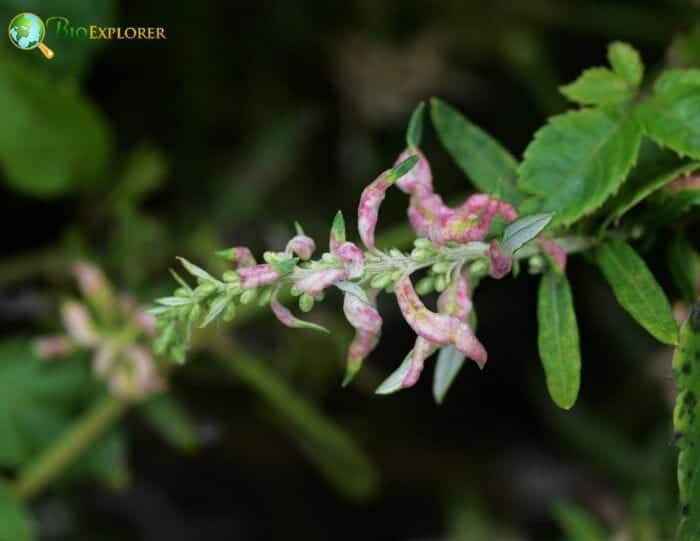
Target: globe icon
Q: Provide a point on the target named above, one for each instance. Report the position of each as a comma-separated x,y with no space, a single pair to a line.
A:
27,32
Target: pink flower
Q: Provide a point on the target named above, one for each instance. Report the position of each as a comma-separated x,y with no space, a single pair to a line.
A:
501,262
257,275
302,246
78,323
421,351
440,329
92,282
418,177
53,346
352,258
554,253
240,255
316,281
286,318
368,210
367,322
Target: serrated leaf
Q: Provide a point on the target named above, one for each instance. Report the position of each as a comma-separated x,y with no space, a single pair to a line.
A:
484,160
558,340
524,230
626,62
449,362
414,133
401,169
684,263
395,380
53,140
579,159
672,116
578,525
637,290
16,523
196,271
598,86
686,371
172,420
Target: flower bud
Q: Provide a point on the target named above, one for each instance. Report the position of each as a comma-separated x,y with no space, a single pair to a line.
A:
381,280
478,268
501,262
181,292
240,255
554,253
306,303
426,244
441,267
229,312
265,296
78,323
535,264
258,275
440,283
248,296
425,285
205,289
302,246
231,277
420,254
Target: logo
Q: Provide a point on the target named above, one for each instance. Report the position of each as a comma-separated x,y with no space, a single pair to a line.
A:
27,31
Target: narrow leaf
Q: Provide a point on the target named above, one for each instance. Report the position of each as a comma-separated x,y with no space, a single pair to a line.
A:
338,228
636,289
558,339
449,363
524,230
626,62
286,266
394,382
489,166
686,370
578,525
414,133
404,167
173,301
216,309
579,159
684,264
598,86
198,272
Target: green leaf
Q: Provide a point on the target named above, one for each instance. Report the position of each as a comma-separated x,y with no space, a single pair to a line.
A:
217,307
394,382
285,266
404,167
172,420
39,398
174,301
490,167
198,272
143,173
558,339
52,140
524,230
684,264
105,461
16,523
626,62
686,371
414,133
655,168
636,289
598,86
672,116
578,525
338,227
449,363
579,159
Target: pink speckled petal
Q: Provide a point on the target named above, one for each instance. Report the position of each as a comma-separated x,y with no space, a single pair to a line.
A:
418,177
316,281
368,209
257,275
501,262
302,246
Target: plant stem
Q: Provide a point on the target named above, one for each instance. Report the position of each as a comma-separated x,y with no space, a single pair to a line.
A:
68,447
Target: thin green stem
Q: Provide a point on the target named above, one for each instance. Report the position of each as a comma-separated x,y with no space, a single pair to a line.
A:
68,447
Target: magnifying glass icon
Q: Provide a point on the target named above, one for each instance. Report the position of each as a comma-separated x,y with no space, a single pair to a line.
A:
27,31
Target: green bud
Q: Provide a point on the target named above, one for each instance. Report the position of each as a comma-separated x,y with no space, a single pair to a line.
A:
270,257
183,312
182,292
248,296
195,313
231,277
295,291
440,283
441,267
233,288
229,312
328,258
479,268
398,273
306,302
159,346
425,285
320,297
423,243
204,290
265,296
535,264
420,254
381,280
395,253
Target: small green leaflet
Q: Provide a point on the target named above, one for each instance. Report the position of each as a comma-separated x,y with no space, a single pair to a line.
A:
198,272
672,116
414,133
686,371
626,62
598,86
395,379
15,521
338,227
684,264
558,340
637,290
449,363
404,167
217,307
579,159
524,230
578,525
489,166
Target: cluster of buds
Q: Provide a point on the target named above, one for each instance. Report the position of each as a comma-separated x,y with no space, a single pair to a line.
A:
115,329
452,249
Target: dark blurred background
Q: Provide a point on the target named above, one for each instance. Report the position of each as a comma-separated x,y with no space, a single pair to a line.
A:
252,115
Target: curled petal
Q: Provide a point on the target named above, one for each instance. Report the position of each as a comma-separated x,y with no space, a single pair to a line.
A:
362,345
419,177
455,299
103,359
368,210
302,246
501,262
352,257
316,281
257,275
285,316
555,253
240,255
361,315
78,323
425,208
53,346
420,352
466,342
